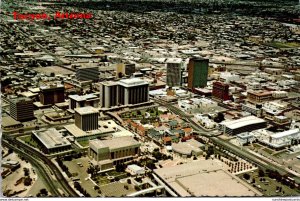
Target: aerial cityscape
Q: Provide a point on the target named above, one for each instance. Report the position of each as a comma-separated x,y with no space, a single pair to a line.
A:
150,98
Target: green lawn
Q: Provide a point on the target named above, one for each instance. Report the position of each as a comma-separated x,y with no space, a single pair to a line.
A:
257,146
283,45
281,154
120,175
141,115
269,151
28,140
269,188
84,143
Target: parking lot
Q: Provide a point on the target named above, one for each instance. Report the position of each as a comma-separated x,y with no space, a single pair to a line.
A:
268,186
74,167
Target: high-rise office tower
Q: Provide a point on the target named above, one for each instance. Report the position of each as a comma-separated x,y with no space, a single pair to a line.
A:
86,118
87,73
21,109
198,72
108,94
174,74
133,91
52,94
77,101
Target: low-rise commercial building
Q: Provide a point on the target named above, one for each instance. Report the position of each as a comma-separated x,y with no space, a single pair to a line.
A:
259,96
111,152
277,140
135,170
51,141
203,178
187,149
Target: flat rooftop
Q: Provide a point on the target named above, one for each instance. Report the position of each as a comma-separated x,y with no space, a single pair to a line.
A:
242,122
51,86
51,138
83,97
286,133
9,121
174,60
109,83
204,178
132,82
104,128
115,143
260,93
86,110
187,147
20,99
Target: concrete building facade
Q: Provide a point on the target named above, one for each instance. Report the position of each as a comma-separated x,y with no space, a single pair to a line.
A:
109,94
21,109
133,91
174,74
87,73
111,152
220,91
197,73
77,101
86,118
49,95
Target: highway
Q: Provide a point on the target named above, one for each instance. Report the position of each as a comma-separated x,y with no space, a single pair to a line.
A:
33,154
48,180
238,151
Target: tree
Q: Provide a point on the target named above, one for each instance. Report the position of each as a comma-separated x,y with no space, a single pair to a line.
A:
44,192
26,172
120,167
219,118
27,181
246,176
157,155
261,173
52,74
150,165
128,181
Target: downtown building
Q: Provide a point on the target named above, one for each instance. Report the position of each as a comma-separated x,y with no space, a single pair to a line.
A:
109,94
77,101
174,74
125,92
107,153
51,94
87,73
197,73
133,91
21,109
125,70
220,91
86,118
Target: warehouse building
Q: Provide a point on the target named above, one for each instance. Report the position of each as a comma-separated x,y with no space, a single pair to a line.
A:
51,141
